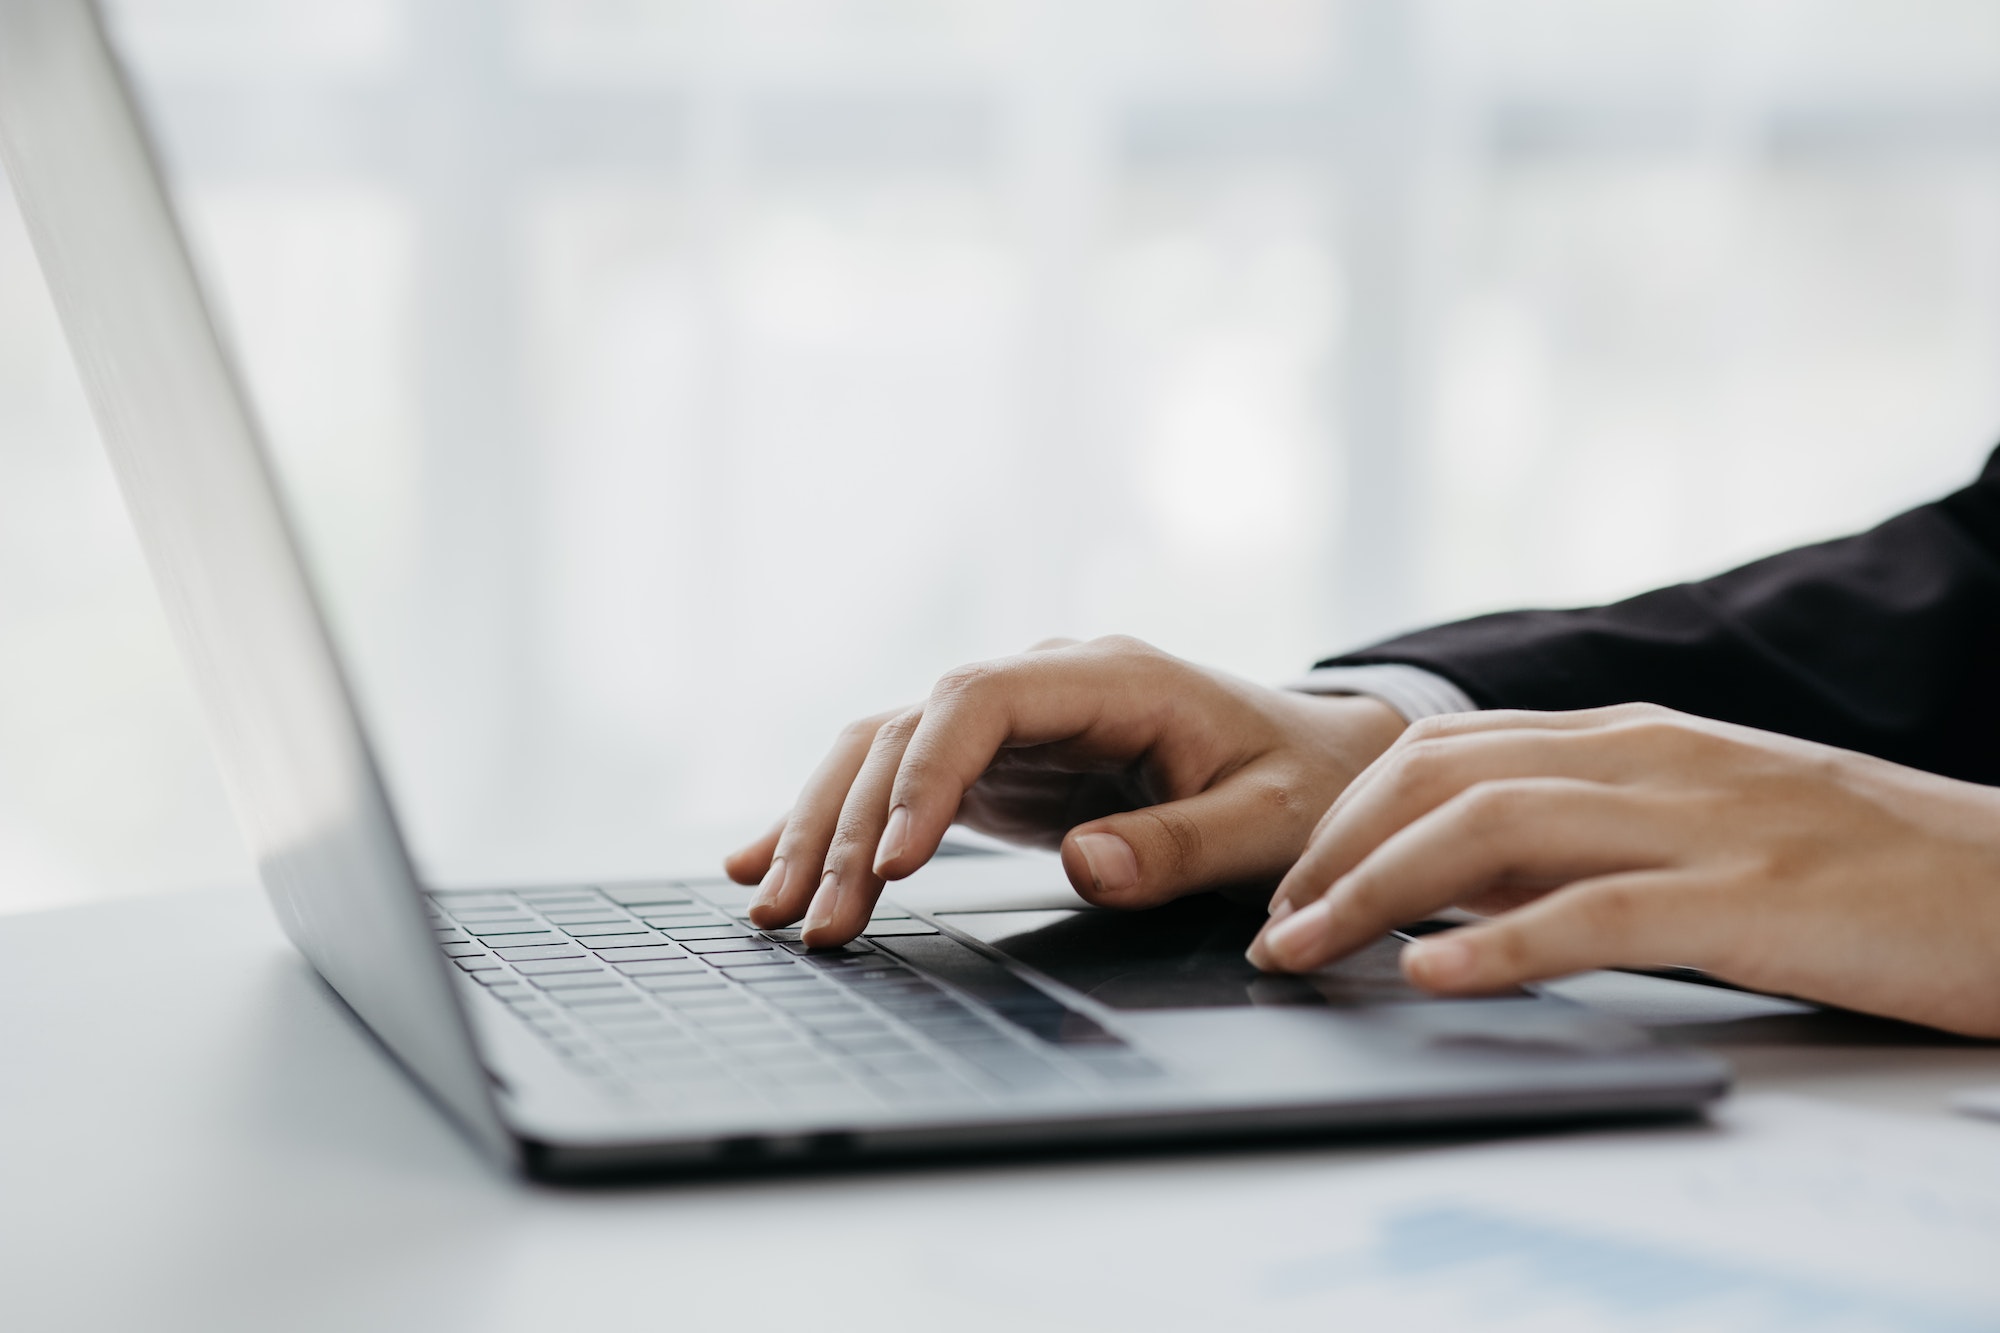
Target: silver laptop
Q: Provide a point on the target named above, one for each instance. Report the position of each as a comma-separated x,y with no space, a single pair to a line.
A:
582,1030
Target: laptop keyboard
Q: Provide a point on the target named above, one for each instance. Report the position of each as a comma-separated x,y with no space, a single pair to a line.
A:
658,990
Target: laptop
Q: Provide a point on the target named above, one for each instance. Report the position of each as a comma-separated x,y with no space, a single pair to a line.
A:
593,1030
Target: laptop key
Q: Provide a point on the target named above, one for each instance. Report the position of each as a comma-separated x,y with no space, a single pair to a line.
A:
958,1032
812,1078
480,963
618,925
901,1063
584,998
719,931
637,1017
554,966
693,994
743,969
902,1002
836,1021
888,928
1015,1068
865,1043
853,949
921,1088
763,969
612,937
616,953
764,1044
661,967
731,943
522,940
602,977
810,999
1121,1066
676,991
631,895
734,1016
790,992
526,953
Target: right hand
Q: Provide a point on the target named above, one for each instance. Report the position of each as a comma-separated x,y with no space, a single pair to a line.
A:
1154,777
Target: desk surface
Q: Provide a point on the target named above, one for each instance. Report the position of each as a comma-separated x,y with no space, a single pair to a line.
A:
198,1137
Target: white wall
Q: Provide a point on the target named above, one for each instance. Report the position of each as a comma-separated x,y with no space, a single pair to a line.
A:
662,384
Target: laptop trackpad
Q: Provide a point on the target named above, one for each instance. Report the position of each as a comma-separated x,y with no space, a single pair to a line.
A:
1185,955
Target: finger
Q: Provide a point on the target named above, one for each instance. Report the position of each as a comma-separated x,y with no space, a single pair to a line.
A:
1449,726
1038,698
1639,919
752,861
800,854
1414,778
1544,830
848,885
1224,835
1044,645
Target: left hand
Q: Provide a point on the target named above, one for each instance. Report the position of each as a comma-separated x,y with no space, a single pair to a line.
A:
1635,836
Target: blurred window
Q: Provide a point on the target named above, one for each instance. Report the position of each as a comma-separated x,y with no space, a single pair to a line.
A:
662,382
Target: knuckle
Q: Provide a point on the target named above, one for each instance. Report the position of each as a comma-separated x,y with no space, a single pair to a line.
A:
964,682
917,773
1663,733
1425,766
1125,645
1636,712
1180,840
1364,896
1427,729
854,826
861,732
900,727
1509,950
1611,912
1489,807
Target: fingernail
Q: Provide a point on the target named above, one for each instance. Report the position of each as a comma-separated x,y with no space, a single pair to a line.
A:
1442,962
1281,908
772,885
1113,868
1282,943
895,837
820,914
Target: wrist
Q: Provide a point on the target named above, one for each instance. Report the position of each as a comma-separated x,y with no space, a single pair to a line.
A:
1357,728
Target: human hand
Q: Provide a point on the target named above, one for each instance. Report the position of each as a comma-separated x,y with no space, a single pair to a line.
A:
1635,836
1153,776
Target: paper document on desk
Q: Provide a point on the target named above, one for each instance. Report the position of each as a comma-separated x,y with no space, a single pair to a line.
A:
1785,1215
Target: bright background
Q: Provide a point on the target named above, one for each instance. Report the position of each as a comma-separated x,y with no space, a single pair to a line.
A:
664,382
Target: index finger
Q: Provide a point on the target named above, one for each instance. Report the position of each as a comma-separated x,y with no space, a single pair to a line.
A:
1043,696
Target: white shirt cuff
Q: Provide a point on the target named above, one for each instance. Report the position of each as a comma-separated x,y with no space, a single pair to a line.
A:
1410,690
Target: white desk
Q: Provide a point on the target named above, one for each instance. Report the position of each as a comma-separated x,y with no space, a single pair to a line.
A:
198,1137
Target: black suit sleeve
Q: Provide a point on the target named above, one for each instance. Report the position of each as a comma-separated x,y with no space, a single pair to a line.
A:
1887,643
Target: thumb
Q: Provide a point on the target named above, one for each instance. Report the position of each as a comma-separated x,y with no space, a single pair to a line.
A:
1240,830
